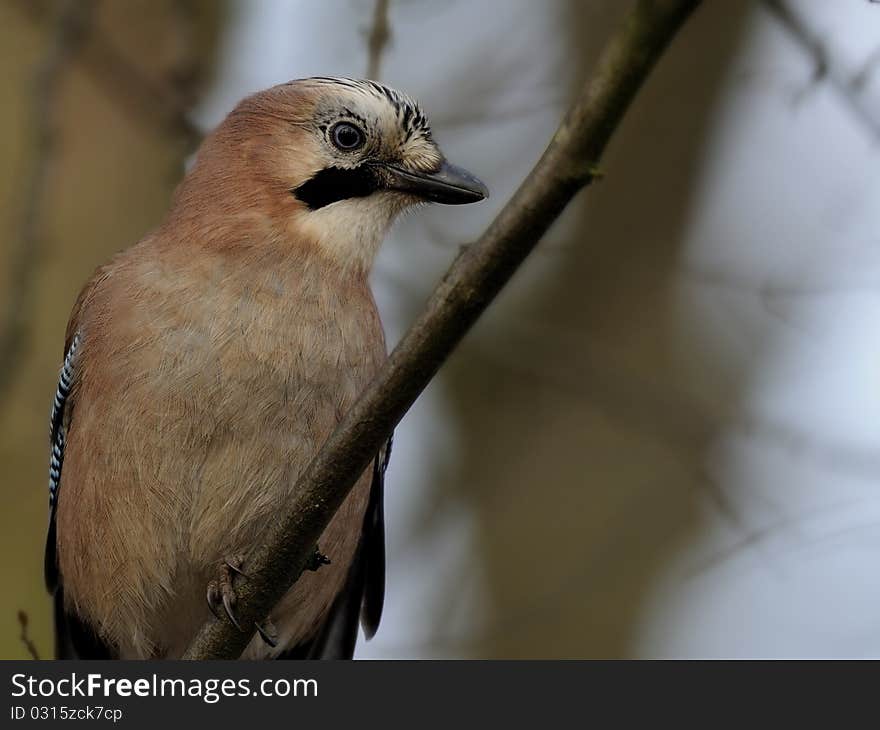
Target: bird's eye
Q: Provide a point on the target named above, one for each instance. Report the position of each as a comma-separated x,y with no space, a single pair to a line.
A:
347,137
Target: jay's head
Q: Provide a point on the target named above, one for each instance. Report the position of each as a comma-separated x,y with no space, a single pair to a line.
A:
331,161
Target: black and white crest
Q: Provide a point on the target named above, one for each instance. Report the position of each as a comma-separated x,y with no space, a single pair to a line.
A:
409,114
393,130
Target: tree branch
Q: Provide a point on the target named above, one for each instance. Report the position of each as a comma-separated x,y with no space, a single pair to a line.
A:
25,638
848,86
474,279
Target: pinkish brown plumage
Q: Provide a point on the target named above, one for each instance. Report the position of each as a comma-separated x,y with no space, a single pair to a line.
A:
214,358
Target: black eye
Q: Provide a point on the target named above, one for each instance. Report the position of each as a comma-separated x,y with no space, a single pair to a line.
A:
347,136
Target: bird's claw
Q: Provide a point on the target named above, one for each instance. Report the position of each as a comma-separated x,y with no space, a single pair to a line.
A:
268,632
213,597
317,560
234,564
222,590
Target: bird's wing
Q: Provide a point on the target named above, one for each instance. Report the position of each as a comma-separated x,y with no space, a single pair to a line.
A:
363,594
73,637
374,546
58,422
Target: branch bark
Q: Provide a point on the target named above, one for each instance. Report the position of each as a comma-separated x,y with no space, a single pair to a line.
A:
476,276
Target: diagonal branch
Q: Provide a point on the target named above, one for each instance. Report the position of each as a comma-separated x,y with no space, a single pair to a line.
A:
475,278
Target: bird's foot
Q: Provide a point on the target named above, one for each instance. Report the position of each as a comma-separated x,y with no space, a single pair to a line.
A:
221,591
317,560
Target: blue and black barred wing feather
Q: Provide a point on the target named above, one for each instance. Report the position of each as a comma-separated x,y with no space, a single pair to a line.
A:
58,421
74,638
363,594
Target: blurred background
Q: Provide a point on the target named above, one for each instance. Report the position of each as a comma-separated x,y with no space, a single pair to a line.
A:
664,438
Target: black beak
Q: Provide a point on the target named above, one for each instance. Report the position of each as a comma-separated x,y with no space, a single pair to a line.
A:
450,184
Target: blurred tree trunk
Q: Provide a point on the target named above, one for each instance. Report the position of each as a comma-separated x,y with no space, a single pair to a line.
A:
116,153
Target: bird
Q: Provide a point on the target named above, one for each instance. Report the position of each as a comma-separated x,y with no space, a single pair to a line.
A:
204,366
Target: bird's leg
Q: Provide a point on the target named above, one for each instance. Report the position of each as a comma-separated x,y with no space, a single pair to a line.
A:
222,589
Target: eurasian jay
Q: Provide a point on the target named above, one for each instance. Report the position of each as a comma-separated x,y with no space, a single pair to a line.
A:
204,367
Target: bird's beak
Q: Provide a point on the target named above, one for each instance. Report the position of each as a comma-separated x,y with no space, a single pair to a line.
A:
450,184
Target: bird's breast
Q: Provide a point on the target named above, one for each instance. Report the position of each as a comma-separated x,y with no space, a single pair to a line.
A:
205,390
269,367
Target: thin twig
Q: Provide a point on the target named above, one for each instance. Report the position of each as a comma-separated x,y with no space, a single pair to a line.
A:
847,85
185,71
475,278
25,637
377,39
70,28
